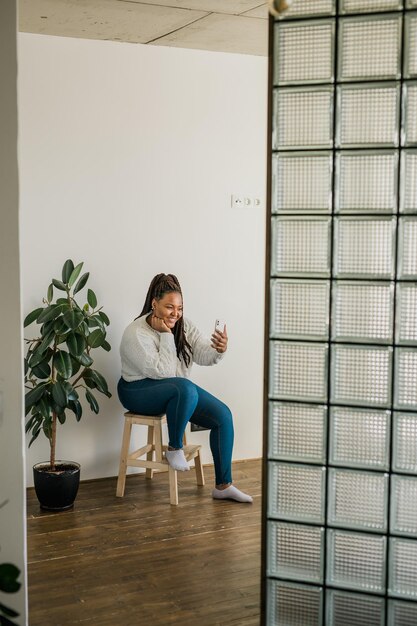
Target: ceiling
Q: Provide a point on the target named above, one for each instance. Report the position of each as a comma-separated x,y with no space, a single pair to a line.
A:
236,26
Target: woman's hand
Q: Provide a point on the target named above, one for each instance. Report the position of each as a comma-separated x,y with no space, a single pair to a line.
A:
158,324
219,340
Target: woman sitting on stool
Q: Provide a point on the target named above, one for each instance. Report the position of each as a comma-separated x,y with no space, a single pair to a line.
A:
158,349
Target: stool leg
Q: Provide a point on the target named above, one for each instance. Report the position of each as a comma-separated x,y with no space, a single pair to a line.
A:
158,442
121,481
173,486
151,439
199,470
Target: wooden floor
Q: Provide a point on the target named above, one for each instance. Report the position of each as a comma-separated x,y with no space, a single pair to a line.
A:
138,561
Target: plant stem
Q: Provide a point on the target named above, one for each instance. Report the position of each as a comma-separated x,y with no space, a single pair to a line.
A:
53,441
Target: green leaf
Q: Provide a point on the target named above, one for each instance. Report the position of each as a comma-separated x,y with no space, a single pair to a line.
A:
96,338
7,611
32,316
62,363
85,359
47,428
70,390
95,380
61,417
50,313
60,328
50,293
75,365
33,396
46,342
76,408
92,401
104,318
59,394
81,282
76,344
96,321
91,298
106,346
42,370
26,366
73,319
35,434
59,284
74,274
44,406
4,621
9,574
67,270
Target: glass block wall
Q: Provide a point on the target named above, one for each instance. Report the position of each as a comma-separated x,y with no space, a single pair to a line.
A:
340,455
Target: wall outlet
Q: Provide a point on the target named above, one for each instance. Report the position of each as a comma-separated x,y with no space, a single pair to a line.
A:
241,201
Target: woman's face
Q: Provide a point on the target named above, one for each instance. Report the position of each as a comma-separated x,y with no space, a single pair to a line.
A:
168,308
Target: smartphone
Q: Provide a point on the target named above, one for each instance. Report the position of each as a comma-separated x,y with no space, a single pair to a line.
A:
219,326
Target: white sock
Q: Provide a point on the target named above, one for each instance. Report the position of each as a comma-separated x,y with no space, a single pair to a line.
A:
177,460
231,493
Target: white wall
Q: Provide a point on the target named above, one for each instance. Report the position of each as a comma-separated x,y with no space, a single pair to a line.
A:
12,515
129,155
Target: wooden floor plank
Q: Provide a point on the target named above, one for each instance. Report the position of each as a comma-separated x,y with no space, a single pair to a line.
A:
137,561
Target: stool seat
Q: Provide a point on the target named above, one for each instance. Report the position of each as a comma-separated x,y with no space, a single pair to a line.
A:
153,448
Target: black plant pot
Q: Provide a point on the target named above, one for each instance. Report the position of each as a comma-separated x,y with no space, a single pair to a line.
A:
57,490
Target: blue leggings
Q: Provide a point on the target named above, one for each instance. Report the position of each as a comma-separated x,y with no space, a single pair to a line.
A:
182,401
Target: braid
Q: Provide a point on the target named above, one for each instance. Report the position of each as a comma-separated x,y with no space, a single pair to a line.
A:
160,285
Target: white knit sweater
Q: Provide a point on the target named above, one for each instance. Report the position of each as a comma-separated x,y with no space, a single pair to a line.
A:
147,353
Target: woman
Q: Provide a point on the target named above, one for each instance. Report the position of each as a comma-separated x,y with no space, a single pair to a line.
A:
158,349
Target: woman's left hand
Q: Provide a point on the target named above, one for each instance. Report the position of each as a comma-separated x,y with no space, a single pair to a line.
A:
219,340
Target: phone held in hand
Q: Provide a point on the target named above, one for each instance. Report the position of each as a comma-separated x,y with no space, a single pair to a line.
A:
219,326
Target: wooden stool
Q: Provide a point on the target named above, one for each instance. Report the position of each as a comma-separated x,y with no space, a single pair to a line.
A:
154,446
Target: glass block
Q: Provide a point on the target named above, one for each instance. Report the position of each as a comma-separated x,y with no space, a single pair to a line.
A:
303,118
407,262
359,438
305,8
410,60
363,311
368,115
304,52
363,6
402,613
369,48
403,567
406,322
361,375
298,371
408,196
295,551
296,492
299,309
301,246
352,609
297,432
302,182
366,182
410,114
358,500
289,604
364,247
356,560
405,396
403,505
411,4
405,443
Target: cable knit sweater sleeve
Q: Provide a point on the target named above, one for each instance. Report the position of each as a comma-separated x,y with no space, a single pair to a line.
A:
146,353
203,353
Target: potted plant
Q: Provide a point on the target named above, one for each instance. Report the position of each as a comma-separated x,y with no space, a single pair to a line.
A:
58,366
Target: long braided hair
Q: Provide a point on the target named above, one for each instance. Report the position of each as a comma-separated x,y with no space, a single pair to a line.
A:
160,285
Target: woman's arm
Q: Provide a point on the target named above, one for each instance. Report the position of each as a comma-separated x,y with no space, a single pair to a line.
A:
143,356
203,352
